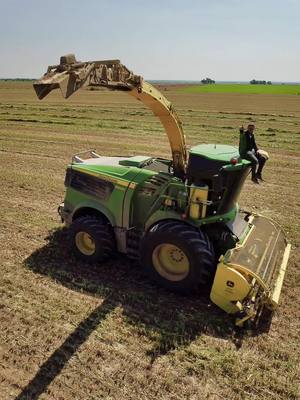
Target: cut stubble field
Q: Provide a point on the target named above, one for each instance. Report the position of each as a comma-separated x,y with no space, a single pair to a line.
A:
68,331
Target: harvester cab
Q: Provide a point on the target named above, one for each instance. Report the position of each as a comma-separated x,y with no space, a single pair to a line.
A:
178,217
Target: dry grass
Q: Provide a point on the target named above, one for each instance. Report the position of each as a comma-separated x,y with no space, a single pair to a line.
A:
72,332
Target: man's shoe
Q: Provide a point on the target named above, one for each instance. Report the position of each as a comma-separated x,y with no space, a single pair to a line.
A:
255,180
258,176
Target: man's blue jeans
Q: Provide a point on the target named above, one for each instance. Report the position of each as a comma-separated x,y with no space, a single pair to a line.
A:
257,162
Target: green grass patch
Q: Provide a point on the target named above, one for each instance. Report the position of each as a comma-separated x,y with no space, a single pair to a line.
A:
243,89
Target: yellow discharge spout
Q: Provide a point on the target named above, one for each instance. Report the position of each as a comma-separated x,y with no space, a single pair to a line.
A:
163,109
70,75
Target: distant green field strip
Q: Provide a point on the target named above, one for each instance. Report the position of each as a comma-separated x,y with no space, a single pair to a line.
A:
243,89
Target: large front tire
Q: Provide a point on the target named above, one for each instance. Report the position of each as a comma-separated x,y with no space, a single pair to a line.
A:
92,239
178,256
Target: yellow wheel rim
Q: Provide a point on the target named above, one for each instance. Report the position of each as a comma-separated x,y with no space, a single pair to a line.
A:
85,243
170,262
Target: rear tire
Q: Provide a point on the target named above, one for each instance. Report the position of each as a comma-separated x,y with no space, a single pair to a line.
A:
92,239
178,256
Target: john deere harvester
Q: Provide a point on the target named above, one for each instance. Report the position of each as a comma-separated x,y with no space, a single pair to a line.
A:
178,217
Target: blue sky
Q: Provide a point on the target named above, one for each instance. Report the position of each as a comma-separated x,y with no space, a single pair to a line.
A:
225,40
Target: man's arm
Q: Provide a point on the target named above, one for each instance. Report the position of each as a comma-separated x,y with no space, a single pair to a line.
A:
254,144
248,141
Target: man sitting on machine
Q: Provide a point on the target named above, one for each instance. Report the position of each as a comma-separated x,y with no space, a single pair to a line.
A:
249,151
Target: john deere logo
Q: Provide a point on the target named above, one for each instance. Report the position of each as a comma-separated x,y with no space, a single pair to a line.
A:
230,283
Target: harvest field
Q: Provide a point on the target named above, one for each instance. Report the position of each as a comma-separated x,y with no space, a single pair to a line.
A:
244,89
72,332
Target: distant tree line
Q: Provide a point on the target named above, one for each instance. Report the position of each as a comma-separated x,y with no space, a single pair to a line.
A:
207,81
255,82
17,79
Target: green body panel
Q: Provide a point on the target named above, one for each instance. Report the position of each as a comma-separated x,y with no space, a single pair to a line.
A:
75,201
131,206
240,165
216,152
136,161
118,205
148,198
161,215
222,153
137,197
116,174
167,214
135,200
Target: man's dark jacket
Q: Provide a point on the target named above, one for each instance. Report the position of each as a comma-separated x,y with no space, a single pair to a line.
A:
247,143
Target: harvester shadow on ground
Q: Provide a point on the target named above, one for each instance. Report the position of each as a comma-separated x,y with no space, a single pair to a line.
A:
176,320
